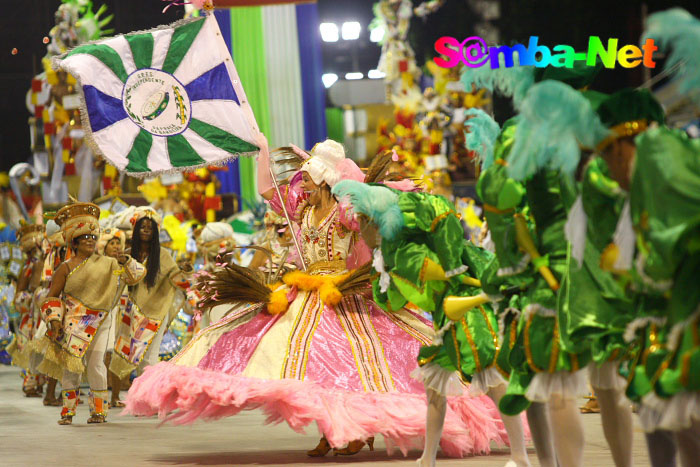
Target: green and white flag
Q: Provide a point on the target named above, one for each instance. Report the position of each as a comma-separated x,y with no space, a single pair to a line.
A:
168,99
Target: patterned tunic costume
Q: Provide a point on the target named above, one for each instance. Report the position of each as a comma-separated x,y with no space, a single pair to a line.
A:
90,291
142,313
86,309
346,367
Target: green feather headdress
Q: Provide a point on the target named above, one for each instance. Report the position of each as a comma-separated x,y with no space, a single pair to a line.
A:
679,31
379,203
482,135
555,121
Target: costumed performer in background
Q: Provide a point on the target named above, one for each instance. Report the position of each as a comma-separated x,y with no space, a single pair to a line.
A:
144,317
83,291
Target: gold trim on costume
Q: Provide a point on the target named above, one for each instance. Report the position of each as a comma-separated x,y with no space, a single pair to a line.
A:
459,356
408,329
354,317
437,220
299,342
526,339
423,361
554,355
470,339
495,210
685,368
496,344
630,128
336,265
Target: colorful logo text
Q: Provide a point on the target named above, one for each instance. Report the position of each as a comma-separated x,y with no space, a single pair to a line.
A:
474,53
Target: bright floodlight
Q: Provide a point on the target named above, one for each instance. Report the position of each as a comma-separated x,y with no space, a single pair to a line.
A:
355,75
329,32
351,30
375,74
328,79
377,34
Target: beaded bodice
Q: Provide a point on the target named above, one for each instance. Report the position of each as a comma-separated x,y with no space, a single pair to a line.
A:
330,241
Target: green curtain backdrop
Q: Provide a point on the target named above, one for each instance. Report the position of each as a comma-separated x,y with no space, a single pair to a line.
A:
248,43
335,124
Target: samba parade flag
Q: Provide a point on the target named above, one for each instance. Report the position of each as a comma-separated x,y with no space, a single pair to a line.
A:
168,99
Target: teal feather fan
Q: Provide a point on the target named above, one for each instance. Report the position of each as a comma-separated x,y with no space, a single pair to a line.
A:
510,82
482,134
679,31
379,203
555,121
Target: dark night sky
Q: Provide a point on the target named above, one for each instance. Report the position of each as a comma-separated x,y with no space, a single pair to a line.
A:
555,21
24,26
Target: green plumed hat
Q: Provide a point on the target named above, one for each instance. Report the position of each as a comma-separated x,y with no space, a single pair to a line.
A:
629,112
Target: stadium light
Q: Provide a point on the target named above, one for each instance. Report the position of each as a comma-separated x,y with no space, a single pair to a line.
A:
328,79
329,32
351,30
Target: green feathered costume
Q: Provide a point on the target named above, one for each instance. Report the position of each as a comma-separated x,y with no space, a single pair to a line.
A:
431,234
528,319
665,210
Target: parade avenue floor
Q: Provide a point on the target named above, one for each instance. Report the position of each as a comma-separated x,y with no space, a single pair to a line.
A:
29,436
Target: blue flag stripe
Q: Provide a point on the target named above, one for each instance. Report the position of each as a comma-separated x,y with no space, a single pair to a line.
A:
214,84
103,110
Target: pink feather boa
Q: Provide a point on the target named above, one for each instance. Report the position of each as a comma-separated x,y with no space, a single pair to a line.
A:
182,395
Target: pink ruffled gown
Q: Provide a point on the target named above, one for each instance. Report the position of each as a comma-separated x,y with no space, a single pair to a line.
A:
347,367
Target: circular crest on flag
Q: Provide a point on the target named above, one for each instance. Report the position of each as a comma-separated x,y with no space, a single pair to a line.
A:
157,102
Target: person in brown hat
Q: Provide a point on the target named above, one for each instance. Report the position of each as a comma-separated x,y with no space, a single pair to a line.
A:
30,237
84,289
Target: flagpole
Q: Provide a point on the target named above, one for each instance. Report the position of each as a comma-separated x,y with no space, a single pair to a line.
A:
245,106
286,215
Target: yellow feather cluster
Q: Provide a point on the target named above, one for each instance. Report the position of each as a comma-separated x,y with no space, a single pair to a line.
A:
278,299
327,286
608,257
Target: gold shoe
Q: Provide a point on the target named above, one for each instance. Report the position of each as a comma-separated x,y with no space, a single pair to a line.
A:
354,447
320,450
66,420
591,406
97,418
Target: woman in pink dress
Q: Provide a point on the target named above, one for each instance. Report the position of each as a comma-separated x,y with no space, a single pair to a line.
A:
311,354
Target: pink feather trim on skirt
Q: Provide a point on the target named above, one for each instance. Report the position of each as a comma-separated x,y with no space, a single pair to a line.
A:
182,395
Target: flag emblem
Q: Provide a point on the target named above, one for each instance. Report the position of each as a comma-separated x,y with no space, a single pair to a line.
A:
157,102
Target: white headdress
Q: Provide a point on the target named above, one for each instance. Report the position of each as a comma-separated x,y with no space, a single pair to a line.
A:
329,164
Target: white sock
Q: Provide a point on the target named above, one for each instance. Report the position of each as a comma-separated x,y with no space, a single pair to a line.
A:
514,428
538,420
567,431
616,416
437,406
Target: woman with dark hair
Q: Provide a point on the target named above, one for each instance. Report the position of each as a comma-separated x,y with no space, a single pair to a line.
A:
144,313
